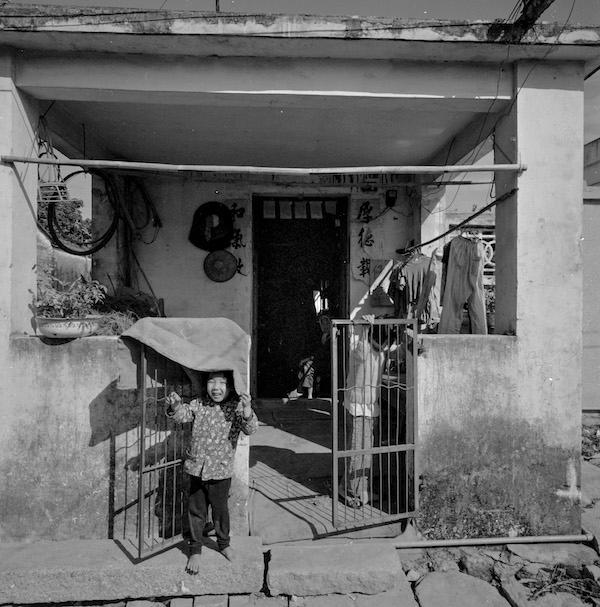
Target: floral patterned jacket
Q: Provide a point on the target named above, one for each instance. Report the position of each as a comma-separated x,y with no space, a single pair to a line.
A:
215,431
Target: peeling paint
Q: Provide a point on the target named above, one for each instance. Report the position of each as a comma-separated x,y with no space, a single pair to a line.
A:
273,25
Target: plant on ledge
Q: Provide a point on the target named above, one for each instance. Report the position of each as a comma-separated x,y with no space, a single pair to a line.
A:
67,309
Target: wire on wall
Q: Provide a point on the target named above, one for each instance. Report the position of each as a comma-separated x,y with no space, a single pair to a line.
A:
463,223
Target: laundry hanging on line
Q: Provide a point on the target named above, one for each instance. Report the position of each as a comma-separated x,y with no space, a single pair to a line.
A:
463,284
414,288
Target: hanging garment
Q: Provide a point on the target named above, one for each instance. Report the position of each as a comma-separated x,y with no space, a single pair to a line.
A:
406,284
464,284
428,307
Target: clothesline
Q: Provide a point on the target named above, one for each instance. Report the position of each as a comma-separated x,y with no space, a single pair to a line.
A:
461,224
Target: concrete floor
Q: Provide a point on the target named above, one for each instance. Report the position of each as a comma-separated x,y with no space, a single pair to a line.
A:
291,477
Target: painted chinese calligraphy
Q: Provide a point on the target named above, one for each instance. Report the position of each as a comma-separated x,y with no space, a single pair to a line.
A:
365,212
364,267
365,238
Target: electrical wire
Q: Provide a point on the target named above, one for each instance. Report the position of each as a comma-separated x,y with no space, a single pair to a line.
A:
478,149
463,223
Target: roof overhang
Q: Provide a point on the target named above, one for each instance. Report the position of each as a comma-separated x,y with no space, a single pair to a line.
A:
391,90
196,33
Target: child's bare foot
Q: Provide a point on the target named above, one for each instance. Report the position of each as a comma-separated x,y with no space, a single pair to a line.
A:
193,564
228,553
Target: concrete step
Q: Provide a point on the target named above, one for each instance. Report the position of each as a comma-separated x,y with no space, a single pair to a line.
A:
98,570
354,566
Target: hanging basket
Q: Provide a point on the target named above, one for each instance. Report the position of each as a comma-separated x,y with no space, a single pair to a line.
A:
53,191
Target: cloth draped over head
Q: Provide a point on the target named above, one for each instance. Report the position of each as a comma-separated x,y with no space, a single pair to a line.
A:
203,344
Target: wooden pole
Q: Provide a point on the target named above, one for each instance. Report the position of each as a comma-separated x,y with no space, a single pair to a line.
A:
201,168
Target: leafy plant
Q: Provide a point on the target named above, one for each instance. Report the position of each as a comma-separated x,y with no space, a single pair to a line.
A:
59,299
69,219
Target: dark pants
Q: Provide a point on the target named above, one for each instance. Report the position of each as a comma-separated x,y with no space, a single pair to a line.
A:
202,494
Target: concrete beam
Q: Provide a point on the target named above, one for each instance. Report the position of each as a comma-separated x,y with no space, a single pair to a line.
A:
185,80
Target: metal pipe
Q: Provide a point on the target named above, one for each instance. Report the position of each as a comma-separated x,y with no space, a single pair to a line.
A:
158,166
488,541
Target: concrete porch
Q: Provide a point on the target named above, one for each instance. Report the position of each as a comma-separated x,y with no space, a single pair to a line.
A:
291,477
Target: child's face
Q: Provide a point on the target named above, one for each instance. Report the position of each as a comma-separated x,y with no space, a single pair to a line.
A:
217,387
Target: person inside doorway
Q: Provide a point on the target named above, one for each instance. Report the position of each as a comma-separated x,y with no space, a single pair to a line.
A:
314,374
367,344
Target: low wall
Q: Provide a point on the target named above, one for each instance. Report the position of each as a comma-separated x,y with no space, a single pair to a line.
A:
70,437
488,468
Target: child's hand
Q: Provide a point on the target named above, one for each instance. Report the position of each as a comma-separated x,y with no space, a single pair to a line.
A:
370,318
246,405
172,400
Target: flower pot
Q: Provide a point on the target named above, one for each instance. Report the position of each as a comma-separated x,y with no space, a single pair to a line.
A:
67,328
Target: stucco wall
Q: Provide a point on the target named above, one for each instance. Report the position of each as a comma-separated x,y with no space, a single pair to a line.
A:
591,296
69,430
488,466
175,267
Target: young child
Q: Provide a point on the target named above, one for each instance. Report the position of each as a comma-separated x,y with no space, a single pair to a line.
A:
218,417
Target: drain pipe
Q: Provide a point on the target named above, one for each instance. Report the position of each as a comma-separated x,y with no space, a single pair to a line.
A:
489,541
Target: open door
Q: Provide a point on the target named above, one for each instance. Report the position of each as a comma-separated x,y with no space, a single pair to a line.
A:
300,271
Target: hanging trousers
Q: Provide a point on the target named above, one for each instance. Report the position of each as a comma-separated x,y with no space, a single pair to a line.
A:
464,284
202,494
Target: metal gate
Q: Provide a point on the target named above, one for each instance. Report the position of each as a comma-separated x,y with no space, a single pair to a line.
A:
158,508
374,417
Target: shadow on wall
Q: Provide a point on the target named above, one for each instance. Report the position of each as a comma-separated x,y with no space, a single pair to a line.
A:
54,487
66,476
496,478
64,480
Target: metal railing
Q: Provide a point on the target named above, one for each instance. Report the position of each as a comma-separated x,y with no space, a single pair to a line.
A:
374,414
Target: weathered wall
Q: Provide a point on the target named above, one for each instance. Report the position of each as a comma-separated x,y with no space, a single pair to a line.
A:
591,296
18,116
376,232
488,466
70,429
174,266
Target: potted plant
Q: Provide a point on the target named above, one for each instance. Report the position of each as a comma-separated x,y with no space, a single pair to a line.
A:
68,310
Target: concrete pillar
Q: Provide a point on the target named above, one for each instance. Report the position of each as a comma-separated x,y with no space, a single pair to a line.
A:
18,116
538,255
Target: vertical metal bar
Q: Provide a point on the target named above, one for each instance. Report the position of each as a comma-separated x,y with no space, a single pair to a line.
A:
396,379
346,345
334,422
153,489
415,413
142,461
164,474
398,480
126,488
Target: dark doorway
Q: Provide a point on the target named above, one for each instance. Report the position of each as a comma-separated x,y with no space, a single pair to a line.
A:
300,249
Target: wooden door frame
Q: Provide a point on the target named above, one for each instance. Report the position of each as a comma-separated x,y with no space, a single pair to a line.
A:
345,299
